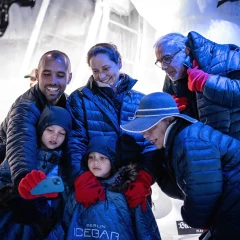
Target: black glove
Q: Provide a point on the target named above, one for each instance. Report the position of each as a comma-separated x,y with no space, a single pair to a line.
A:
7,192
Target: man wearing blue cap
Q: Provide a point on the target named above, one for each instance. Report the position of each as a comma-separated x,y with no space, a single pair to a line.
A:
204,162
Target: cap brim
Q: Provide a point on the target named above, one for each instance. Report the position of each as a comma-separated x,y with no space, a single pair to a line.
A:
27,76
142,124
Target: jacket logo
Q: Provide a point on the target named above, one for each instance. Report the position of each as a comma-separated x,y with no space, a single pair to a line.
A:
95,233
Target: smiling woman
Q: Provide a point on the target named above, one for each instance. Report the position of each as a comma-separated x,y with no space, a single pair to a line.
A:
105,62
102,105
98,109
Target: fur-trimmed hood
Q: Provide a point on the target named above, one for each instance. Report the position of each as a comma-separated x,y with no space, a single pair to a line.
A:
121,179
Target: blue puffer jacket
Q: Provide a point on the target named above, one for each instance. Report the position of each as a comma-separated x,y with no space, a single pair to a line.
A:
111,218
206,165
219,103
18,132
98,111
47,161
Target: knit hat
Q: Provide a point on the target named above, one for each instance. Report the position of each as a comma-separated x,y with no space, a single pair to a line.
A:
106,145
154,108
54,115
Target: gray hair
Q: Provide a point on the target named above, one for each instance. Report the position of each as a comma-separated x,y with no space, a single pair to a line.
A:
176,39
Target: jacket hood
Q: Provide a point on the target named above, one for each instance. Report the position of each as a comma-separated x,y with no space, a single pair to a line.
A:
106,145
212,56
53,115
126,84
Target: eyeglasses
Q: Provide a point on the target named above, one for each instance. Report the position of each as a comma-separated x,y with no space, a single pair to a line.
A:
166,59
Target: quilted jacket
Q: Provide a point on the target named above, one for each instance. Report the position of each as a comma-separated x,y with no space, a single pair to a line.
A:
47,162
111,218
219,103
206,166
99,111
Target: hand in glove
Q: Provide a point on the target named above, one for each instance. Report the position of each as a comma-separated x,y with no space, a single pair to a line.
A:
138,190
88,189
196,78
29,182
181,102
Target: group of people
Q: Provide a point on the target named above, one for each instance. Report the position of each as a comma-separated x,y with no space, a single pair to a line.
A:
110,143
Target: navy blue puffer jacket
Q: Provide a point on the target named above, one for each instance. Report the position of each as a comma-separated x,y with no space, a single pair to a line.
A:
219,103
206,165
47,162
100,111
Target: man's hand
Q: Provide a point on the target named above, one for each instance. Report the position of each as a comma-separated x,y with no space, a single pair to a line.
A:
196,79
181,102
88,189
29,182
138,190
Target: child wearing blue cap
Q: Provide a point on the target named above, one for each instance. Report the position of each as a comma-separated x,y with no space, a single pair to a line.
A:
38,212
110,217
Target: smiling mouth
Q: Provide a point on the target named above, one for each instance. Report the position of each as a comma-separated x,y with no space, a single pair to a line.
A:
104,81
52,89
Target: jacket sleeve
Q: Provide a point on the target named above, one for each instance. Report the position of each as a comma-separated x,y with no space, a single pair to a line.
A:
145,223
223,90
78,139
149,159
199,174
165,179
21,149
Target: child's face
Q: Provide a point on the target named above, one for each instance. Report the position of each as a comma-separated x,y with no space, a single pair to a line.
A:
53,136
99,165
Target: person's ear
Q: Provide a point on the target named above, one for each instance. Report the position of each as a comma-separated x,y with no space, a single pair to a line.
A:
69,78
187,51
119,63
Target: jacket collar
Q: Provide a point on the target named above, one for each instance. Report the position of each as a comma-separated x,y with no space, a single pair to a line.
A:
172,131
41,100
126,83
121,179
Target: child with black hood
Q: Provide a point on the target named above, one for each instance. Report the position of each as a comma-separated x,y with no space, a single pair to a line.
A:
36,214
110,217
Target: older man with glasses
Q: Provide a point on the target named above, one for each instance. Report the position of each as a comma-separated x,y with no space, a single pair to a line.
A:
203,78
